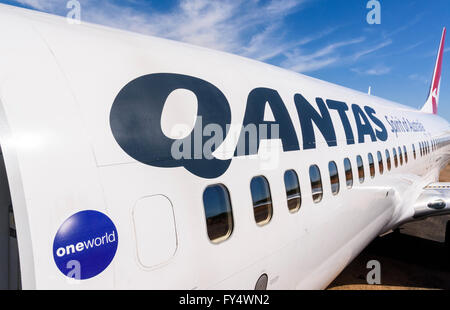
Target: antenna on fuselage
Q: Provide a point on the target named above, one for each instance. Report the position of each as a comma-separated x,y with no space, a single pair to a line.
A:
370,91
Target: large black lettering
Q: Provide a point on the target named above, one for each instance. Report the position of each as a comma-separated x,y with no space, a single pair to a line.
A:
254,116
363,124
342,108
381,132
135,120
308,115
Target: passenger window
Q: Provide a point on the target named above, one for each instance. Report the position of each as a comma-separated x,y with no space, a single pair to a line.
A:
414,151
262,200
371,166
316,183
219,217
334,177
405,151
388,160
394,153
380,162
400,155
293,194
360,164
348,173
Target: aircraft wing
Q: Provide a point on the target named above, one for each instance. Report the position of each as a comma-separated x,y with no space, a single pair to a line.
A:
434,200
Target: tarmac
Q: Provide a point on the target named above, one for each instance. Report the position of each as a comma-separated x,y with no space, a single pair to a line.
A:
413,257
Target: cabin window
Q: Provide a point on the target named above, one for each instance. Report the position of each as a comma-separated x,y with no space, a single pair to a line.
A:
388,160
293,194
316,183
261,284
334,177
414,151
360,164
400,155
394,153
371,165
380,162
405,151
262,200
219,216
348,173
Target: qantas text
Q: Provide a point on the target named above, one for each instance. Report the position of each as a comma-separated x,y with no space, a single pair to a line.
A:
135,120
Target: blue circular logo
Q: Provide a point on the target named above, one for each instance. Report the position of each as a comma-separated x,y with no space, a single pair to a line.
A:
85,245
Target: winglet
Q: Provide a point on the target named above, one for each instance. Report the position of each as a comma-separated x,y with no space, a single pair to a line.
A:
432,103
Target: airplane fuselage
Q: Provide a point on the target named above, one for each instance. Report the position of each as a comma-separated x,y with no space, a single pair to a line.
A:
85,134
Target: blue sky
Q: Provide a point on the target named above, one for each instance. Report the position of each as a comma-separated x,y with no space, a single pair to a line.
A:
326,39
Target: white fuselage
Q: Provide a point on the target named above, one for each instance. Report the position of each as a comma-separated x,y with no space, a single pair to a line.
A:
58,83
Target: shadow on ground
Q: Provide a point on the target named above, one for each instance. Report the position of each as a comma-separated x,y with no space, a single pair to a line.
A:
407,262
414,257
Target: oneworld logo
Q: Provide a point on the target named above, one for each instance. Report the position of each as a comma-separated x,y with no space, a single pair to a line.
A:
85,245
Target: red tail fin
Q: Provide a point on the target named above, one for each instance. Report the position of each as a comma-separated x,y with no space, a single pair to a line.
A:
432,103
